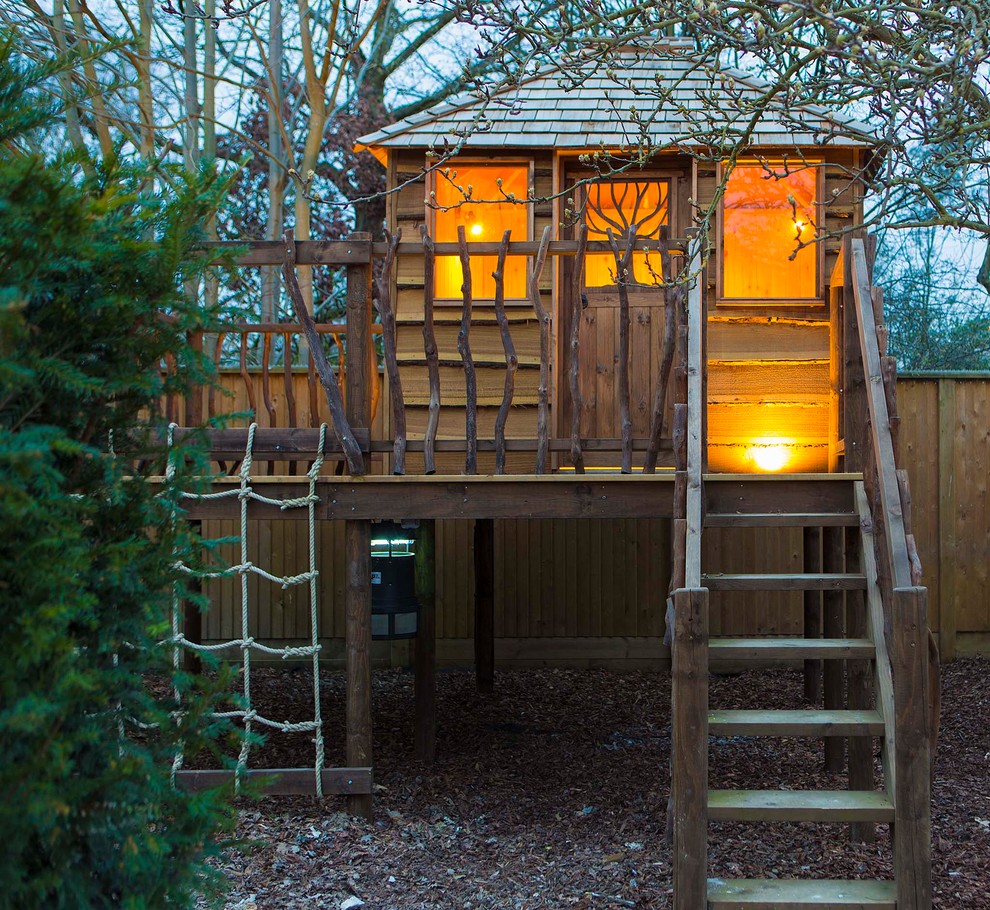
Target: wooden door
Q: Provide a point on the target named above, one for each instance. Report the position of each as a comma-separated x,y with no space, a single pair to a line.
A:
615,204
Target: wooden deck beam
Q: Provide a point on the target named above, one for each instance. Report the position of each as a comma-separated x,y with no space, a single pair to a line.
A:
391,498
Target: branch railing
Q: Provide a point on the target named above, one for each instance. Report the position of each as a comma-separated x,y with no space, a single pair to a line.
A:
361,253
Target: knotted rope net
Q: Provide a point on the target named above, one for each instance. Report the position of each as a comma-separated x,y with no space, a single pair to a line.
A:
245,493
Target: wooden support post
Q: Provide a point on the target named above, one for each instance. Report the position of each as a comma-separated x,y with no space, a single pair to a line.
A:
912,791
357,618
426,644
357,533
860,690
946,520
833,553
689,779
813,614
484,603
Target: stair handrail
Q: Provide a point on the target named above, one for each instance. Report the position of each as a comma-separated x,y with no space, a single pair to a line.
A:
888,496
903,632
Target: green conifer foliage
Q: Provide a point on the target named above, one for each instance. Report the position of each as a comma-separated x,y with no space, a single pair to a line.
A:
91,273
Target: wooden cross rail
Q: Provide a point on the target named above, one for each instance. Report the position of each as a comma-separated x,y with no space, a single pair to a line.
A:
282,328
348,252
300,443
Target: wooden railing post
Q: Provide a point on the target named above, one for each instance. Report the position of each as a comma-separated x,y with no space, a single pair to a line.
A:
696,441
912,789
357,534
689,778
359,341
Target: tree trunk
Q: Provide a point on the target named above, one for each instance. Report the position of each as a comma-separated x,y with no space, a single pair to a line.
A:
276,172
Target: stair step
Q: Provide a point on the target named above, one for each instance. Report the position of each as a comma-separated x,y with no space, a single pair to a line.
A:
795,723
791,494
781,519
800,806
790,648
830,581
792,894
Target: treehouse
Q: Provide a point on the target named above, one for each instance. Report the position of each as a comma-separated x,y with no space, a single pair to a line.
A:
599,339
537,158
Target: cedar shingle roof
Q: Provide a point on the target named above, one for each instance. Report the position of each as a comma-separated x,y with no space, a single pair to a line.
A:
592,104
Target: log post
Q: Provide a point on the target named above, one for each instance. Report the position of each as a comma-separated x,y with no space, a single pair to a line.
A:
464,349
357,534
833,608
484,603
912,792
860,690
689,779
426,644
813,614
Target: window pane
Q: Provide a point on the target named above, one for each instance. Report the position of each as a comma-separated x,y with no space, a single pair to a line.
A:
761,228
617,204
487,220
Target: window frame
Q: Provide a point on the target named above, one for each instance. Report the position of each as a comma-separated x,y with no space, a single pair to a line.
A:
475,160
819,299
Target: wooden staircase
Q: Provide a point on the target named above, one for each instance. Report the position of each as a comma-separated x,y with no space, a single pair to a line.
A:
868,724
866,571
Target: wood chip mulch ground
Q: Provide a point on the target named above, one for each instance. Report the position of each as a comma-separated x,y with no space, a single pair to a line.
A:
551,793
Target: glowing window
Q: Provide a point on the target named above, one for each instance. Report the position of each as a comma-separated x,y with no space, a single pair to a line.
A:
766,213
484,220
616,205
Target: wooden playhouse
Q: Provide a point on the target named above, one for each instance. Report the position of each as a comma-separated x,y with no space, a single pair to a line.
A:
566,339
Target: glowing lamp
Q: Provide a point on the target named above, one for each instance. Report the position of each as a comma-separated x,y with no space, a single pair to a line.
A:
769,456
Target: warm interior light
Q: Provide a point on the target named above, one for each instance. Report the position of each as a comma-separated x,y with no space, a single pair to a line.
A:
765,211
644,203
493,189
769,456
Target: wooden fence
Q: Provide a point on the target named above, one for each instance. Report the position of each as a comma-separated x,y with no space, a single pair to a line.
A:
945,446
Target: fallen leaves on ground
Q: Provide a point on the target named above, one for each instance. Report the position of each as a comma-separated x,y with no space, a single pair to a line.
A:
551,793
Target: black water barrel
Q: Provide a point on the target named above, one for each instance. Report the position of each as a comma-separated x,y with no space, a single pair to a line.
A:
394,607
